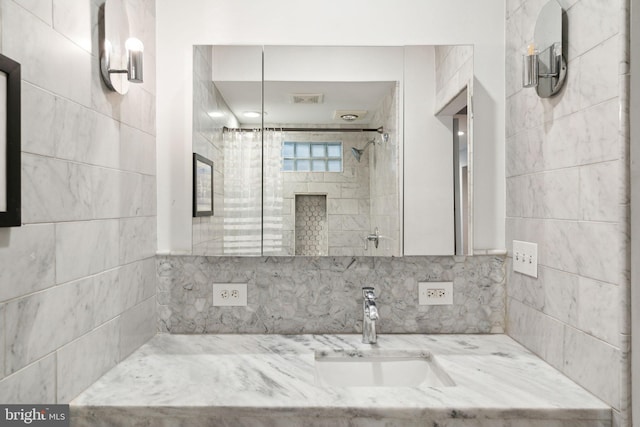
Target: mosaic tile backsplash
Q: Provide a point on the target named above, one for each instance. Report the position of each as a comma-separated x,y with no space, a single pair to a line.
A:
289,295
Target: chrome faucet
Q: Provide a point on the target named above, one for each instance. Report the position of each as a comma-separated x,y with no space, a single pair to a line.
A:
370,312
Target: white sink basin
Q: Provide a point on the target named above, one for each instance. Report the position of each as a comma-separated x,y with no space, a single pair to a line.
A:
379,370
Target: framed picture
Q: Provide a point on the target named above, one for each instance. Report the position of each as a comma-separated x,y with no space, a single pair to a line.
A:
202,186
10,164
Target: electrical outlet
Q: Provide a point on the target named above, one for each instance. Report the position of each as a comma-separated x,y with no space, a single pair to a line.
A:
525,258
435,293
229,294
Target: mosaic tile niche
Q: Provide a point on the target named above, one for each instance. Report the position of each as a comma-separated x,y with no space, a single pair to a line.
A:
290,295
311,225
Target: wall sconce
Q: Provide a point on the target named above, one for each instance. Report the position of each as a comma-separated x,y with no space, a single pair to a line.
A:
546,69
119,66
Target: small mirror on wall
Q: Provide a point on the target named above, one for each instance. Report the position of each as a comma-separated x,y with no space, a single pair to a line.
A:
9,143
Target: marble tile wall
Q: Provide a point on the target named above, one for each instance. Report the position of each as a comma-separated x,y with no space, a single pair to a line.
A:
568,191
385,182
348,195
454,71
288,295
78,279
208,231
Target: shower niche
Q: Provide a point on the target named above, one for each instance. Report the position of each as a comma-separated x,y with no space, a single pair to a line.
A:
309,143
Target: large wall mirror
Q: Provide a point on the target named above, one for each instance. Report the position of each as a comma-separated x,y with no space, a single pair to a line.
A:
307,145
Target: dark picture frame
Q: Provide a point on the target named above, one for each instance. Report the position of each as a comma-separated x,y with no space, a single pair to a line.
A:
202,186
10,145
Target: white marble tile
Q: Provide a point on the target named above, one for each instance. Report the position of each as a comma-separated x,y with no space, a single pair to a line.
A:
129,194
77,21
598,310
599,73
525,289
137,326
148,113
591,22
39,124
41,8
590,249
356,222
595,133
76,240
342,206
110,193
34,383
551,194
149,197
137,281
524,152
137,151
540,333
28,260
109,291
42,322
137,238
594,364
86,136
561,292
37,47
84,360
601,191
54,190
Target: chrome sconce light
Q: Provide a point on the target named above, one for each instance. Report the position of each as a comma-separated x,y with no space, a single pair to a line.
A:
546,69
121,56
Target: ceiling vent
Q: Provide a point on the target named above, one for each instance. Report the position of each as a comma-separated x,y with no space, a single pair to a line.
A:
306,98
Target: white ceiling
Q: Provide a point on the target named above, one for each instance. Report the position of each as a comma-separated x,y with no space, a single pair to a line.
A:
245,96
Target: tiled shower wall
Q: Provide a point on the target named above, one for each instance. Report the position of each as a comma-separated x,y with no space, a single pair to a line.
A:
290,295
568,191
348,211
384,164
77,280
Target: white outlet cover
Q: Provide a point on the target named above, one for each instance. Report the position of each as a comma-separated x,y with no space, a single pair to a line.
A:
229,294
525,258
447,287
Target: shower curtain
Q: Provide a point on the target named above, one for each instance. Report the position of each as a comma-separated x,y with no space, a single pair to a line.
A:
253,201
242,193
275,238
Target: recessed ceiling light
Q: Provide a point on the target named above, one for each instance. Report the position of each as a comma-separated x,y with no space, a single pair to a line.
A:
251,114
460,133
349,117
215,114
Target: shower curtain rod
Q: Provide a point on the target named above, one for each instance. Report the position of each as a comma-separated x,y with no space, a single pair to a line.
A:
272,129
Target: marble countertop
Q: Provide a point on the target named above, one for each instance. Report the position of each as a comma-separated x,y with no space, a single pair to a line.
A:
244,375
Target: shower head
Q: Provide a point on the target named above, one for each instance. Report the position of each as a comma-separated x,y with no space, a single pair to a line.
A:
357,152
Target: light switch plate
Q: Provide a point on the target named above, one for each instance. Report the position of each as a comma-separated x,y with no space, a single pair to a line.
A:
229,294
525,258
